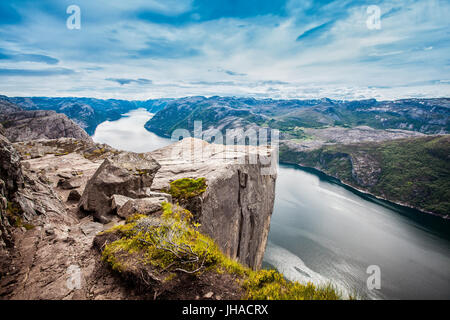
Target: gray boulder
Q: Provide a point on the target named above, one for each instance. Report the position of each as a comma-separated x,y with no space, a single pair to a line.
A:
146,206
128,174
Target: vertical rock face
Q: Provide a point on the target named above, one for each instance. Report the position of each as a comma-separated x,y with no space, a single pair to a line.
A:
236,208
128,174
10,167
11,179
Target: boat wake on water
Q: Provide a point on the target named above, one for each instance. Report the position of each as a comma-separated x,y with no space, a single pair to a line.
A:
294,269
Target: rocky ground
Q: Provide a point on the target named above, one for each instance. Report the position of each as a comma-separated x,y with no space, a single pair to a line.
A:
58,240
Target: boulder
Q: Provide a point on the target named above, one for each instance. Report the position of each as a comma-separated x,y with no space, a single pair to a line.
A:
64,175
91,228
117,201
40,124
128,174
142,206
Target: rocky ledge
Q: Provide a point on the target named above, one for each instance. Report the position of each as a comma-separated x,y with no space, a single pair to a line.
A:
57,195
237,205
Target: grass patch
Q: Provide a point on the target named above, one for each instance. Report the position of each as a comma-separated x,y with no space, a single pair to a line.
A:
187,188
172,244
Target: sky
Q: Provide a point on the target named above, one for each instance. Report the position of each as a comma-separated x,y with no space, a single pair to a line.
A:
145,49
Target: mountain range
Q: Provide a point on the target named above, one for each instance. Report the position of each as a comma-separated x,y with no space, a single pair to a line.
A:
397,150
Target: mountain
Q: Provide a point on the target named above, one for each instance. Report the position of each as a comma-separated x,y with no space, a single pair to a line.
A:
23,125
161,250
88,113
429,116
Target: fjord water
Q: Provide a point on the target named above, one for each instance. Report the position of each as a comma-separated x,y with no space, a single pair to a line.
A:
128,133
321,232
324,233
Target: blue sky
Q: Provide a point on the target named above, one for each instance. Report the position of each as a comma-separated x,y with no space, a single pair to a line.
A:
262,48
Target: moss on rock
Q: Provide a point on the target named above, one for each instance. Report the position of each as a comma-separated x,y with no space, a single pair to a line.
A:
170,246
187,188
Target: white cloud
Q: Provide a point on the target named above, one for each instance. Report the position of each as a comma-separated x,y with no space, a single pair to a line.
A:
348,61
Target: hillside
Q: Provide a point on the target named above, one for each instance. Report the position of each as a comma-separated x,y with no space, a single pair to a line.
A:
88,113
40,124
377,146
414,171
291,117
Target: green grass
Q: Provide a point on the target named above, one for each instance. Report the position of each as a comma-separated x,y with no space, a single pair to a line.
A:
176,231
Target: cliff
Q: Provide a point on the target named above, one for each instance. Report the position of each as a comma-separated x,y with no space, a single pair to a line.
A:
50,235
237,205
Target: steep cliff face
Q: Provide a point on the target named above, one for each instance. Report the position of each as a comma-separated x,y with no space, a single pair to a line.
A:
40,124
11,179
237,205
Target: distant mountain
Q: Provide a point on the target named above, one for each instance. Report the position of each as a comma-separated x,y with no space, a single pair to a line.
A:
40,124
429,116
88,113
25,125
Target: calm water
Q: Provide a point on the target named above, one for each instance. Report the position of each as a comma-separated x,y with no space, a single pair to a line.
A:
323,232
128,133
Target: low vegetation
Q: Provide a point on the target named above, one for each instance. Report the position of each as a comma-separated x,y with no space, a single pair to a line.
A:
14,213
186,188
172,245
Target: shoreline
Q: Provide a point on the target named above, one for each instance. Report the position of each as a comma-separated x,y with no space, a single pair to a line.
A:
366,194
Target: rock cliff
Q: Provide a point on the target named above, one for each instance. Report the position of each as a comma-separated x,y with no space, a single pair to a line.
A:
237,205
